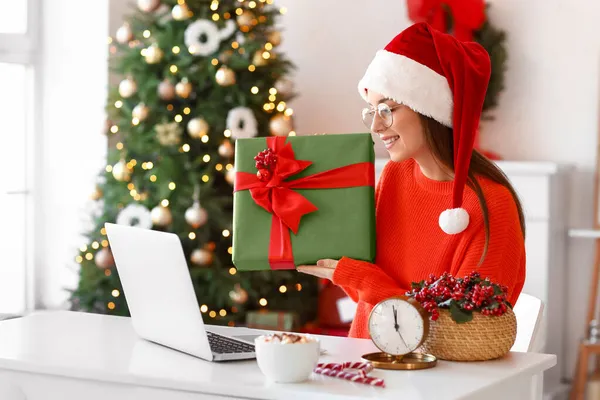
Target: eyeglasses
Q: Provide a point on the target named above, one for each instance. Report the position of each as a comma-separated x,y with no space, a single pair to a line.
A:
383,110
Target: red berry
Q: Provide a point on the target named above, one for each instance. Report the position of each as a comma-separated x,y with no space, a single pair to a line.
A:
263,174
458,295
266,159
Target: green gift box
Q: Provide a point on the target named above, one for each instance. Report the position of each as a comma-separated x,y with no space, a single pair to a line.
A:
272,320
311,197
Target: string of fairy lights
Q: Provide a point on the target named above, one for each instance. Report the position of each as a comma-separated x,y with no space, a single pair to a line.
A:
124,168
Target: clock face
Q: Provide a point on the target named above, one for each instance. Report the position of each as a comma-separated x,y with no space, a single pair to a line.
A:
397,326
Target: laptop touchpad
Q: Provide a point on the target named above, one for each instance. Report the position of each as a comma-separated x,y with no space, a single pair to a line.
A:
246,338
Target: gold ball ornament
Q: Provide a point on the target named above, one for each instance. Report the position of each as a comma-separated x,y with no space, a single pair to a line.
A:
274,37
121,171
284,86
280,125
225,56
196,216
166,90
258,59
161,216
124,34
97,194
197,127
226,149
225,76
245,19
183,89
181,12
104,258
148,5
238,295
140,112
230,177
201,257
127,87
153,54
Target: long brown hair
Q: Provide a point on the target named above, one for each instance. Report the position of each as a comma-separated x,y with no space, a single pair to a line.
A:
440,140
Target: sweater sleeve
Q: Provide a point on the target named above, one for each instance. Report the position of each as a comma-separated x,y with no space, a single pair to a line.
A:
353,275
504,262
366,281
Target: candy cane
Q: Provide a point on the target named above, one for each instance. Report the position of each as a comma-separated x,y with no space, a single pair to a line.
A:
337,370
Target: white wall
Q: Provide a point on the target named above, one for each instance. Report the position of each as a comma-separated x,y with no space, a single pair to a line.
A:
549,110
70,147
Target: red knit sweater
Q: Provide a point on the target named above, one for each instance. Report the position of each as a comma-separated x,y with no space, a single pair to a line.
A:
411,245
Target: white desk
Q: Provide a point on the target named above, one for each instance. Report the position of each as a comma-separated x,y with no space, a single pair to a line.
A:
74,356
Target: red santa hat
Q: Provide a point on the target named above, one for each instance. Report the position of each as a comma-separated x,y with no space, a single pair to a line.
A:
438,76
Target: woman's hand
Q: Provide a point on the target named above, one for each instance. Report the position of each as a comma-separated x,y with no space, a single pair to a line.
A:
323,269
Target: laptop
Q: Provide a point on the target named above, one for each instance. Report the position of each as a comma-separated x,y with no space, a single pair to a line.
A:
161,297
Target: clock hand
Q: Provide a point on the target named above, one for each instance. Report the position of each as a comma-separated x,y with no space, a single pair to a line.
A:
401,338
396,326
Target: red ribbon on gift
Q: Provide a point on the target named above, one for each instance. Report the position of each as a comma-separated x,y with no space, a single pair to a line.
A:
468,15
288,207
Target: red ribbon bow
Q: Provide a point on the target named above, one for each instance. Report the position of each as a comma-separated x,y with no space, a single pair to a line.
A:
468,15
288,207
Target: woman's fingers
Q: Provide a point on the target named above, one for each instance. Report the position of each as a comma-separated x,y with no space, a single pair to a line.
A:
320,272
327,263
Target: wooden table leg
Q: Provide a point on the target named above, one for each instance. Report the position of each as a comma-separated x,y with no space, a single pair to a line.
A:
580,378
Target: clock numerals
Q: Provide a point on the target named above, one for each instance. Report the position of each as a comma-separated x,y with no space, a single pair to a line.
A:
396,326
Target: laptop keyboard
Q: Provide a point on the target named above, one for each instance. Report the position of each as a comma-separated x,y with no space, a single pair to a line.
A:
221,344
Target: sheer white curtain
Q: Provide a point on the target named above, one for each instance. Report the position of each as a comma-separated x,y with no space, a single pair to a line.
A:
18,47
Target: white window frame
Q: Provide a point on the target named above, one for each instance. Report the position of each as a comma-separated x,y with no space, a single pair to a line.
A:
23,49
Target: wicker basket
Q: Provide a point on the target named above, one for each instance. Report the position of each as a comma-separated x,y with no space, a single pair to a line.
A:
482,338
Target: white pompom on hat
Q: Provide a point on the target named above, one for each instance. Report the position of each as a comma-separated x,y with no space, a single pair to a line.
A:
438,76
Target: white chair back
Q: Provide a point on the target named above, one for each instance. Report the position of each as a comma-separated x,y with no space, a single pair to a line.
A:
528,310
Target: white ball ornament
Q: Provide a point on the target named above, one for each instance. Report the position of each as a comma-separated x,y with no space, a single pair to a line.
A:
183,89
124,34
161,216
196,216
284,86
238,295
281,125
226,149
181,12
121,171
153,54
127,87
230,177
201,257
225,76
197,127
148,5
104,258
166,90
140,112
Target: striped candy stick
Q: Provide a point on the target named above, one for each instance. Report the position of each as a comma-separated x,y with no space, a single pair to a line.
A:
338,370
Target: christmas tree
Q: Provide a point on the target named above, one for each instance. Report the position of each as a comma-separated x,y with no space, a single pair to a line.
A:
197,74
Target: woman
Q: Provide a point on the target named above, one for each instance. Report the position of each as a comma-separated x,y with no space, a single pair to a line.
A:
425,93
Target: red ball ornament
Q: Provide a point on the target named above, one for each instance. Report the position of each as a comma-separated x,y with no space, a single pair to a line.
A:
263,174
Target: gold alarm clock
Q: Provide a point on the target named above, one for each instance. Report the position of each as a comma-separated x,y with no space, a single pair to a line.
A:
398,326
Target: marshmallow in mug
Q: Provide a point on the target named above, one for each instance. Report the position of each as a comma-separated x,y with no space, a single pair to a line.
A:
285,338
